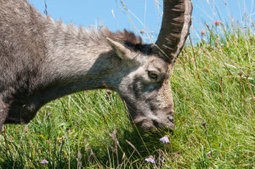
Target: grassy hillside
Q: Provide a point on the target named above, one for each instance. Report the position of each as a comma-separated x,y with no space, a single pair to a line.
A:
213,86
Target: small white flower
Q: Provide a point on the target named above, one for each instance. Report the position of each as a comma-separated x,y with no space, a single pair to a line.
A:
44,162
150,160
165,139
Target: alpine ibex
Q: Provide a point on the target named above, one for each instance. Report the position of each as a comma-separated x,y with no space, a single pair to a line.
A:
42,60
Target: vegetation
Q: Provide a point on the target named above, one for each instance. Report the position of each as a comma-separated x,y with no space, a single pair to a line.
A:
213,86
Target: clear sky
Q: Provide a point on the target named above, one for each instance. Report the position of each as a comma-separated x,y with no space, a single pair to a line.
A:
144,14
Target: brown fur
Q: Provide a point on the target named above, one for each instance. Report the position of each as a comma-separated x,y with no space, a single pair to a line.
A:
125,37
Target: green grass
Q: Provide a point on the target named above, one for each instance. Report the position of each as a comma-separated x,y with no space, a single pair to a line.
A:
213,89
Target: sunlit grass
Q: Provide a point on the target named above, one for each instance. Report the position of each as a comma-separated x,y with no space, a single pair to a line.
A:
213,88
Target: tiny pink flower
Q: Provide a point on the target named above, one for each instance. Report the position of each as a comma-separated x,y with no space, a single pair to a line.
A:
165,139
150,160
44,162
202,32
217,23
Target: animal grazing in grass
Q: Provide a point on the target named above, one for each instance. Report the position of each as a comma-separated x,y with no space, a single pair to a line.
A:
42,60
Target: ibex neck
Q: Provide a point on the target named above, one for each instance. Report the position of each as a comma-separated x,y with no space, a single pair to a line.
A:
77,59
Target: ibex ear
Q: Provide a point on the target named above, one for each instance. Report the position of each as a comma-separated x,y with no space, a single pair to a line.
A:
122,51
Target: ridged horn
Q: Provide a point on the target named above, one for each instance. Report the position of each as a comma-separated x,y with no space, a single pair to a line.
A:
174,28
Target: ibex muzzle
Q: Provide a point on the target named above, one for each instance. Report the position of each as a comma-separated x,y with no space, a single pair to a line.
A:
42,60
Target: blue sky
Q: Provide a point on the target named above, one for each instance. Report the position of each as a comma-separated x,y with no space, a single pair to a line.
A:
144,14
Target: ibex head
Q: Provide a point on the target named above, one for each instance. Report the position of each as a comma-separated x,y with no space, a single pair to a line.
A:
144,80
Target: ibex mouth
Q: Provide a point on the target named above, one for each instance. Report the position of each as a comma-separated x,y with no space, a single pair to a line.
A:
147,124
150,125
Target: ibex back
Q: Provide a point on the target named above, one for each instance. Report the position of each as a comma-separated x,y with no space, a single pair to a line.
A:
41,60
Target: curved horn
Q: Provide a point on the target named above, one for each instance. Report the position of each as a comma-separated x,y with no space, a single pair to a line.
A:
175,27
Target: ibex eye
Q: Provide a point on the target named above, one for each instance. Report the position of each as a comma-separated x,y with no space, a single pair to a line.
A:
153,75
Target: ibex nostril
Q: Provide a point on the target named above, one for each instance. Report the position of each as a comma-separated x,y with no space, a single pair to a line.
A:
155,123
171,119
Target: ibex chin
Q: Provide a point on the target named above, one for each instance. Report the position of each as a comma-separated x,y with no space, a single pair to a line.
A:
42,60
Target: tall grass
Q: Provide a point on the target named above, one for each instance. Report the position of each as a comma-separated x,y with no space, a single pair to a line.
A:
213,88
